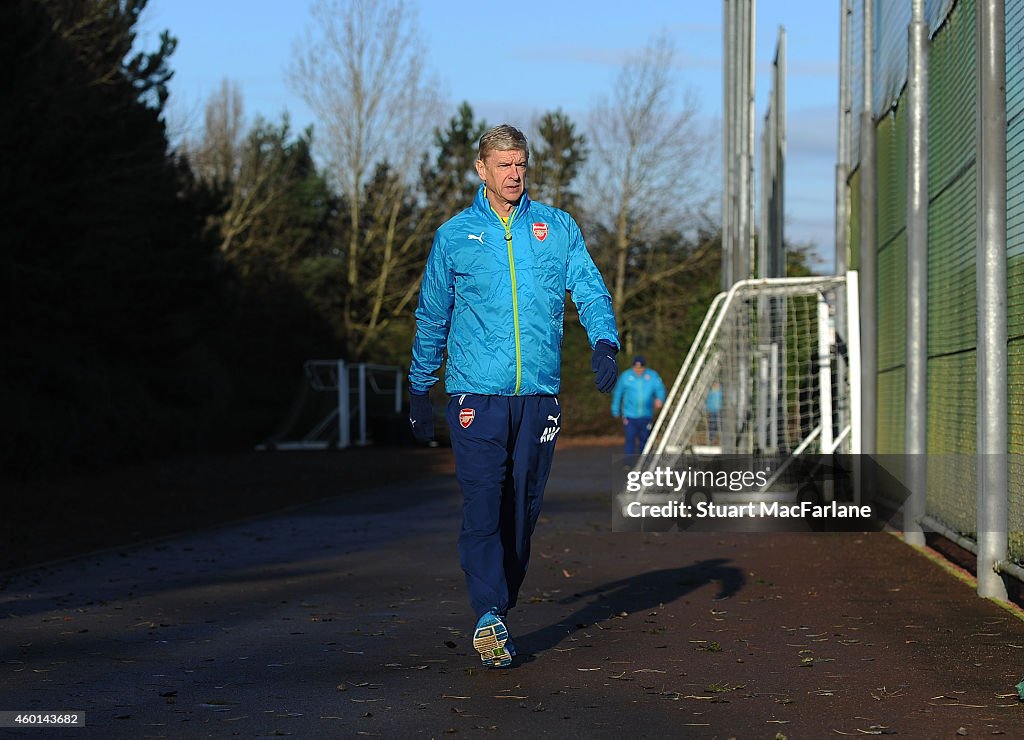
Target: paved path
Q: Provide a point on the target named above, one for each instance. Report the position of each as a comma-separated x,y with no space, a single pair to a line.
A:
349,619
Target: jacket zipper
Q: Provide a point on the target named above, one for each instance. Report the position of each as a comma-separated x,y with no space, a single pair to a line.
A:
515,300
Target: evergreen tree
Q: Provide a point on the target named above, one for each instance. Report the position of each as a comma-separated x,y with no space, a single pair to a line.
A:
556,161
276,227
450,182
101,34
109,288
279,207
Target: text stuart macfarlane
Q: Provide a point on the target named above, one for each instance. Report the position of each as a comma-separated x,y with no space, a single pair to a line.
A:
776,509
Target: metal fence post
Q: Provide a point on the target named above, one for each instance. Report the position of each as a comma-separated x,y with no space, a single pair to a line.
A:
868,254
992,504
728,132
843,159
842,223
362,403
746,261
344,436
916,401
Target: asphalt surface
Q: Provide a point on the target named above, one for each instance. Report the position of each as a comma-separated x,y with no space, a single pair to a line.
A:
349,618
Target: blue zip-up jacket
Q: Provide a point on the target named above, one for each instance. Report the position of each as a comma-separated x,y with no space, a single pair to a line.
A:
634,394
494,296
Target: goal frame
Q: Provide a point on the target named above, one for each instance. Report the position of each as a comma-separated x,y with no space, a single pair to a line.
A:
684,402
336,376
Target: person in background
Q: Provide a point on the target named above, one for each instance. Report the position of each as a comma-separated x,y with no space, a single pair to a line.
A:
638,393
493,296
713,406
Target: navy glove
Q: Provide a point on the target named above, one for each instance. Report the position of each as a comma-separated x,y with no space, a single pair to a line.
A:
421,416
606,372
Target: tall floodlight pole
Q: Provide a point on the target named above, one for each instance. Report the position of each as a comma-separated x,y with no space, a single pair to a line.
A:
745,253
764,220
728,133
778,237
775,237
992,504
868,252
916,401
737,140
737,187
842,223
771,261
745,163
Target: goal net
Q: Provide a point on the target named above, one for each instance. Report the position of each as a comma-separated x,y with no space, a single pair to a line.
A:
336,404
770,374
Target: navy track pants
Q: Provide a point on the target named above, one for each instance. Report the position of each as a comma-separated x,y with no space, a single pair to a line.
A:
503,448
637,432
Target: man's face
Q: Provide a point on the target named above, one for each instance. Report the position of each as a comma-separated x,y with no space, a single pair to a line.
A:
504,174
638,368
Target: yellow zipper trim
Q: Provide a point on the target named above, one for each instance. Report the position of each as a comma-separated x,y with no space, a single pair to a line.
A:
515,297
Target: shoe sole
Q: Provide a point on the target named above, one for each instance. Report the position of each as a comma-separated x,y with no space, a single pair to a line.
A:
490,641
489,660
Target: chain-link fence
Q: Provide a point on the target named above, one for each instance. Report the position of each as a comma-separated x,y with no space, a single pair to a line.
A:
963,365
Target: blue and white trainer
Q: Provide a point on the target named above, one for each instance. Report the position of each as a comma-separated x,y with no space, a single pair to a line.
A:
490,639
510,648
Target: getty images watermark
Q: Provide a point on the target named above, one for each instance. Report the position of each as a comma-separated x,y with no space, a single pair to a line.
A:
741,493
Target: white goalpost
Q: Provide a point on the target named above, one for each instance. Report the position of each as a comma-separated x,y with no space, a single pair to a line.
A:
789,376
335,397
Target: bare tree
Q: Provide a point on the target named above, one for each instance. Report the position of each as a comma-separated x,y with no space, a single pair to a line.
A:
262,183
222,160
648,155
260,177
216,158
360,70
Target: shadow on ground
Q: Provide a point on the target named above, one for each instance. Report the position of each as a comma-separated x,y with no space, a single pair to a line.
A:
635,594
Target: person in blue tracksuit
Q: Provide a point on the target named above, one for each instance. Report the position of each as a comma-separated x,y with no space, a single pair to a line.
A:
713,406
638,394
492,297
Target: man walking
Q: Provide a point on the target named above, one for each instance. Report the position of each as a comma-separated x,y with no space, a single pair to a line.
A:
493,296
638,394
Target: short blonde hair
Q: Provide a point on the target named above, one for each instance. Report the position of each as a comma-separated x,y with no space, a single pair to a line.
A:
503,138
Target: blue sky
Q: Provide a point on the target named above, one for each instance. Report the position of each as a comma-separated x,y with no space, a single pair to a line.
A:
514,61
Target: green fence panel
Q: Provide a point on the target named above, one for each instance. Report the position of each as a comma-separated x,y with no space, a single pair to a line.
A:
952,439
892,394
891,184
1015,469
952,99
1015,271
892,305
952,269
891,173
